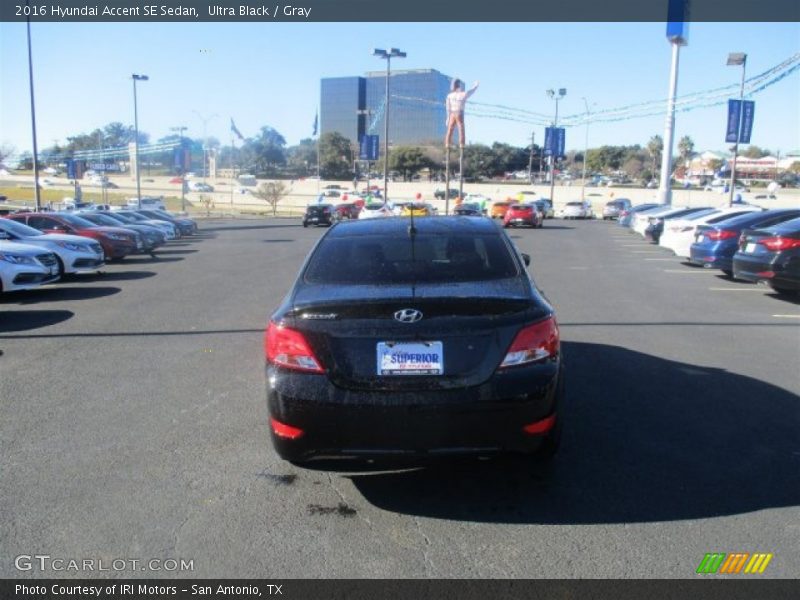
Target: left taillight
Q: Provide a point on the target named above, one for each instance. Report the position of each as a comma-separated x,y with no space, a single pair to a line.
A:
533,343
289,348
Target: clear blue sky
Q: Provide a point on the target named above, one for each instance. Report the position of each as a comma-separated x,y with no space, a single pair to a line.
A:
269,73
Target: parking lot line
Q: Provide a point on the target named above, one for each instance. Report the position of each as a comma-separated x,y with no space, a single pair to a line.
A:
646,251
664,258
740,289
787,316
700,272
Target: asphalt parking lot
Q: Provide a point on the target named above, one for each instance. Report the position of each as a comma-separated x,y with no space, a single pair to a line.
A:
134,426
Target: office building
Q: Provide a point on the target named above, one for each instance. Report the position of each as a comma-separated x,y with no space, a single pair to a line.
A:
417,116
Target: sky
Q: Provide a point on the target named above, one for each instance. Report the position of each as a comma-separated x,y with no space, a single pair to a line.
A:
269,74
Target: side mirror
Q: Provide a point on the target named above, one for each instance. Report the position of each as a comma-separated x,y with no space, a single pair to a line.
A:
526,258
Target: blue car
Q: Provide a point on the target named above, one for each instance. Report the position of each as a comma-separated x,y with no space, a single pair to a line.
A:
626,216
715,245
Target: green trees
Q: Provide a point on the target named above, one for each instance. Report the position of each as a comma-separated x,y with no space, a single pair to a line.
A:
686,149
336,156
409,160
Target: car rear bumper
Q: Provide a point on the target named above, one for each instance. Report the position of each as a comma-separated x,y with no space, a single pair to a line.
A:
778,271
484,419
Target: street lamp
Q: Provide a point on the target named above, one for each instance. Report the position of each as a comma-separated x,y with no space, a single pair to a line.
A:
734,60
585,150
554,96
392,53
205,121
180,129
136,78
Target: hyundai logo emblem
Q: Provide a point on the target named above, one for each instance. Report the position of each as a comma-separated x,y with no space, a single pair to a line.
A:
408,315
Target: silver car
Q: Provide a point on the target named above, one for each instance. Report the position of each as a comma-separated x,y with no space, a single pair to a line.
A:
74,253
25,267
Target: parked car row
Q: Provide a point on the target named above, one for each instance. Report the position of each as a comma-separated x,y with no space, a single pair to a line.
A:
746,242
40,247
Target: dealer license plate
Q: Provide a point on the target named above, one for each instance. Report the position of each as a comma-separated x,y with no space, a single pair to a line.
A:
410,358
750,248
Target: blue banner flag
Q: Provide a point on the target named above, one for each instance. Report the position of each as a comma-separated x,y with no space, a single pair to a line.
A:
734,118
316,122
748,111
740,121
369,147
554,141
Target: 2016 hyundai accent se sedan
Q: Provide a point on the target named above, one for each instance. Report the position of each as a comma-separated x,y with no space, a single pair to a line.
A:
418,338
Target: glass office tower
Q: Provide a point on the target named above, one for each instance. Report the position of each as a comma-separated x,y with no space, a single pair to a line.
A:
341,98
417,106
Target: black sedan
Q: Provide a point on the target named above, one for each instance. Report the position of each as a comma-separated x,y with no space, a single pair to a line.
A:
771,255
432,341
319,214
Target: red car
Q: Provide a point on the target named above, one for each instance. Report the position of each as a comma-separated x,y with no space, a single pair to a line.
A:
522,214
348,210
117,242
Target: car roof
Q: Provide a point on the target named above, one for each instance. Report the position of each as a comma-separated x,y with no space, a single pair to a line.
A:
398,226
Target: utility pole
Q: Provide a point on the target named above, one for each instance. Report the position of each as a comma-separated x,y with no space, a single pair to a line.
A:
392,53
555,96
205,121
530,160
136,78
585,151
735,59
36,192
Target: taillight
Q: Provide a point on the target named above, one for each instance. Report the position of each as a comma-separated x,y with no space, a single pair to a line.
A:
533,343
288,348
778,244
722,234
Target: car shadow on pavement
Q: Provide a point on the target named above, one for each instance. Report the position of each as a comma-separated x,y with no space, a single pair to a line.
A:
645,439
25,320
118,276
62,294
145,260
786,298
168,252
261,225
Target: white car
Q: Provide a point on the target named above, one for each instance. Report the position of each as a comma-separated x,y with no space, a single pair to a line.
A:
375,210
146,203
642,220
25,267
74,253
577,210
678,235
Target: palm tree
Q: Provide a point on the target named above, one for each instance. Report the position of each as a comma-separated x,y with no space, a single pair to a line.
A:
655,147
686,149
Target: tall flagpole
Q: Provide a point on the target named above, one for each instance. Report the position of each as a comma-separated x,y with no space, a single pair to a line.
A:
233,148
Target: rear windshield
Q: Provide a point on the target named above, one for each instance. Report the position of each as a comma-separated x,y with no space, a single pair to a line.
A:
429,259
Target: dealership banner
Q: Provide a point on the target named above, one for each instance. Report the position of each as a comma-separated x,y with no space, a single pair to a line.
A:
740,121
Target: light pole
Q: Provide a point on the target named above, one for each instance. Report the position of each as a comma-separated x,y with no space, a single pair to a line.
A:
555,96
180,129
392,53
136,78
205,121
367,113
585,150
736,59
36,192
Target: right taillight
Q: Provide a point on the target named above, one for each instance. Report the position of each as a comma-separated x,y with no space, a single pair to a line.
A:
778,244
288,348
533,343
722,234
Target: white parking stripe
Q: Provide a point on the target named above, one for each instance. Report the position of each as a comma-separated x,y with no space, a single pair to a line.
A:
690,271
747,289
787,316
666,258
